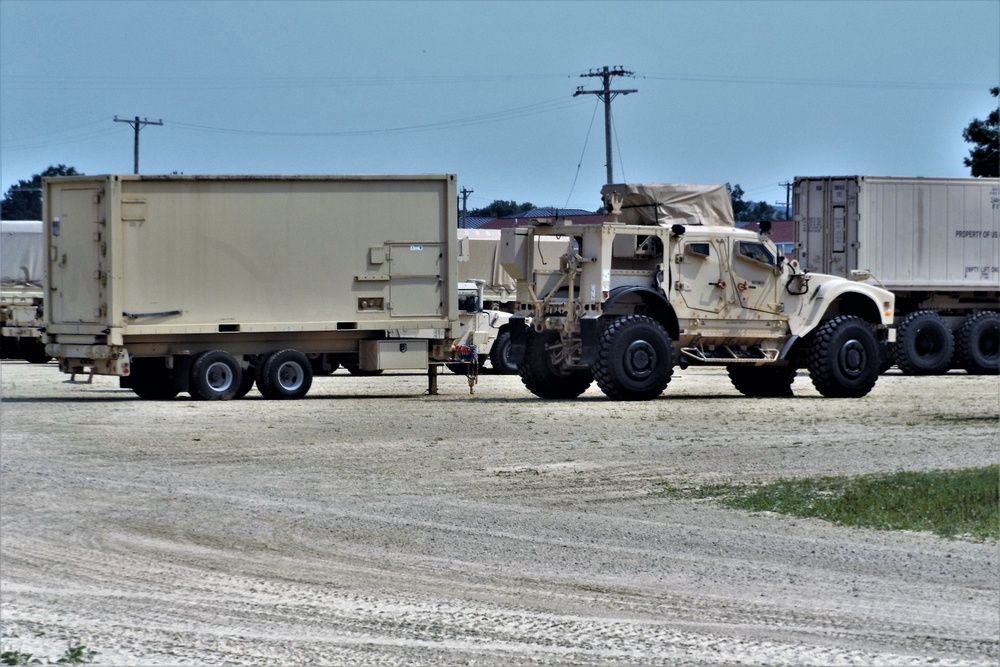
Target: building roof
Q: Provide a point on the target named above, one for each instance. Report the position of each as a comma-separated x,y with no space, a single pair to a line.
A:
472,222
782,231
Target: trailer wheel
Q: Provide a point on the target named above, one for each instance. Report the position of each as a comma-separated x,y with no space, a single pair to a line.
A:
33,351
977,343
924,344
322,365
215,376
844,358
545,378
500,355
762,381
635,360
285,375
354,369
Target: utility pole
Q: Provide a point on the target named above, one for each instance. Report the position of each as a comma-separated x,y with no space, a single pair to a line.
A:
788,194
137,125
465,199
606,94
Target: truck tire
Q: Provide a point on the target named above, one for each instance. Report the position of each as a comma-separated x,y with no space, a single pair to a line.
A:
321,366
354,369
500,355
247,383
635,359
215,376
285,375
762,381
977,343
543,378
924,344
33,351
844,358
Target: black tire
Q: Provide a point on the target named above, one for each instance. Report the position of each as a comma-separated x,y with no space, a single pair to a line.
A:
924,344
541,377
635,360
215,376
844,358
353,369
500,355
33,351
248,381
9,348
322,367
977,343
285,375
151,380
762,381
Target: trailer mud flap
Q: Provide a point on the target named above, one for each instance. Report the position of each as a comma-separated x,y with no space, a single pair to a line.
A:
590,339
518,338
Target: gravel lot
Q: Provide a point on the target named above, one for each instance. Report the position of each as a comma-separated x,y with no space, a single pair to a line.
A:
371,524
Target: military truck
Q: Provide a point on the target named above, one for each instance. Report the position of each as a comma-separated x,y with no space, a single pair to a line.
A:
22,265
669,280
213,284
933,242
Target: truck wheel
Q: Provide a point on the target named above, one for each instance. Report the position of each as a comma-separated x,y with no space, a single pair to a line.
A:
33,351
543,377
354,369
500,355
246,384
924,344
977,343
635,359
844,358
285,375
322,366
215,376
762,381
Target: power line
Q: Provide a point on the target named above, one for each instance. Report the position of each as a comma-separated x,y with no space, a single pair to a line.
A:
605,94
137,125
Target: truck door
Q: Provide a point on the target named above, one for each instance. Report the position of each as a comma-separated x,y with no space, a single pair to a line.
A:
416,276
77,252
701,281
753,274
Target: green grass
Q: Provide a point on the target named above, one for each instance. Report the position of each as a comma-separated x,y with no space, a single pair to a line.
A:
950,503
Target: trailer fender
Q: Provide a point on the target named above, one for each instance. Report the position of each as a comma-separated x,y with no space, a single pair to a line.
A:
518,338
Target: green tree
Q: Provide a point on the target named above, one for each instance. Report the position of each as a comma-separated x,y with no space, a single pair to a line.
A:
746,211
24,200
984,135
500,208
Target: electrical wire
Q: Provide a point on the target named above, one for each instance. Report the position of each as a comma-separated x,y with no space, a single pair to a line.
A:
585,141
825,83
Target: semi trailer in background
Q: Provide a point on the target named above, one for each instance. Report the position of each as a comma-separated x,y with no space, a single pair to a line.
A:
22,290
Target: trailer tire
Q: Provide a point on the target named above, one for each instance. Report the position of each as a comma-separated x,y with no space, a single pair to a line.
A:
248,381
321,366
762,381
285,375
500,355
543,378
843,358
215,376
635,359
977,343
924,344
33,351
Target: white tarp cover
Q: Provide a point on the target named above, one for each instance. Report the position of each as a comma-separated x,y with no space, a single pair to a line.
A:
22,252
665,204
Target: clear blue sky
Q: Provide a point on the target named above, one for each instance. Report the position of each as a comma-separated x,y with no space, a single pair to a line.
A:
753,93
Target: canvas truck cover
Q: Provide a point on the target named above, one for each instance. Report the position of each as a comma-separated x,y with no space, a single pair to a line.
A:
665,204
22,253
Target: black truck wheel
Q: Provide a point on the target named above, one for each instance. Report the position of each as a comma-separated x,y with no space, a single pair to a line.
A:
285,375
762,381
924,344
215,376
542,377
500,355
977,343
844,358
634,359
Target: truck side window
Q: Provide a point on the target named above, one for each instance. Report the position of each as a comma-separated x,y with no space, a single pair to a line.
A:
756,252
701,249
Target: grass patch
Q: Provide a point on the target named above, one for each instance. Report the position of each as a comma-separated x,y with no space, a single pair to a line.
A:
950,503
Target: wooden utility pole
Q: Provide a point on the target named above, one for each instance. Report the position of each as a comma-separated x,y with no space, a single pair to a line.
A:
606,94
137,125
465,199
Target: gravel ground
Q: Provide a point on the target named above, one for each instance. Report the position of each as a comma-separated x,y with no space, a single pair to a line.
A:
371,524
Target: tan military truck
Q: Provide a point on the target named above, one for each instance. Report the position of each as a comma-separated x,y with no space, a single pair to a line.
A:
669,280
22,265
211,284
